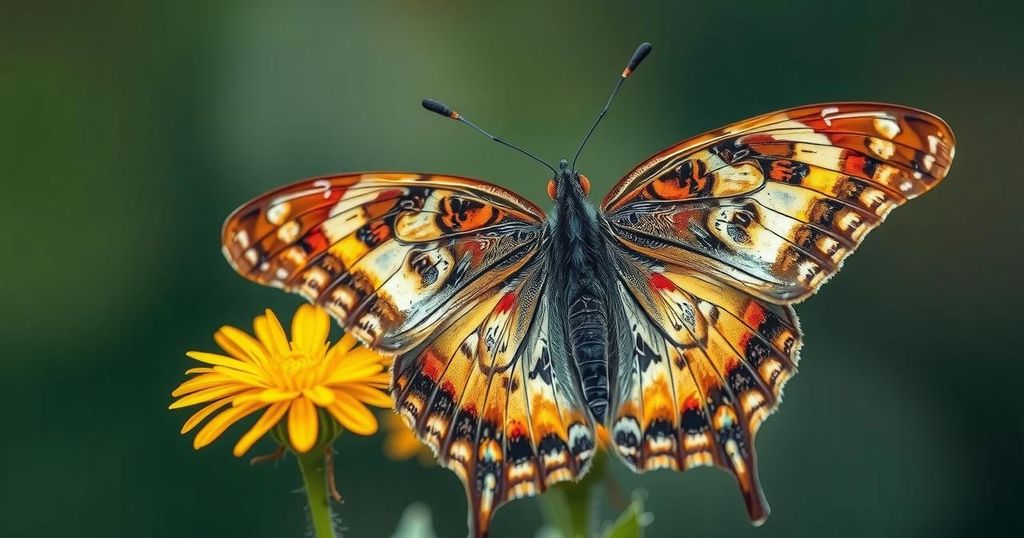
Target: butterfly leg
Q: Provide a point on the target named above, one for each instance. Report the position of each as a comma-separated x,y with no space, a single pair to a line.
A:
273,456
332,486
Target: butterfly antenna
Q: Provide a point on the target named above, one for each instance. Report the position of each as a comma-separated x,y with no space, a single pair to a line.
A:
440,108
641,52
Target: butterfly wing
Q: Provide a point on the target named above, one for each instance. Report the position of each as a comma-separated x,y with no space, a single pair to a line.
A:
713,238
491,394
446,272
702,366
387,255
773,205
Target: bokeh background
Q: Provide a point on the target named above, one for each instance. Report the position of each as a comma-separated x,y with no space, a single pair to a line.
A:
131,129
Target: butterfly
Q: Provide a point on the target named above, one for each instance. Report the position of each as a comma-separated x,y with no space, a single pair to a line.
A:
663,316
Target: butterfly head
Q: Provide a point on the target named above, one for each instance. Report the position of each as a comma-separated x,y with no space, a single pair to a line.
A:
568,177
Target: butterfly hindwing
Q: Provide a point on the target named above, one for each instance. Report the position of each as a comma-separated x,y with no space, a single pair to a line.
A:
491,394
386,254
774,204
703,366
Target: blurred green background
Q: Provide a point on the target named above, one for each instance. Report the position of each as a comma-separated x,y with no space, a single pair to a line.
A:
130,130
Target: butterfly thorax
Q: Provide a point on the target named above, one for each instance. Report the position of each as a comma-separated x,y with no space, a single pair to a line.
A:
579,284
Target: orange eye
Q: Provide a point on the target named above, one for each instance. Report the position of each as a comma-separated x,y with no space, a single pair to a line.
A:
552,190
585,183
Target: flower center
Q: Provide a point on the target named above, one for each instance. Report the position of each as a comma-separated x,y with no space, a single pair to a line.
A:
298,361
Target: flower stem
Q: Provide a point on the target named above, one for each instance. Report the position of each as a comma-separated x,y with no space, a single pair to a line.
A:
314,476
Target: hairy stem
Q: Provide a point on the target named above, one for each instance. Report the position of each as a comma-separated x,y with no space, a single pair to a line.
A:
314,476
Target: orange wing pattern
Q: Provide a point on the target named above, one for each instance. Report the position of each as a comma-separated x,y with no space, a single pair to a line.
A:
387,255
493,396
773,205
703,367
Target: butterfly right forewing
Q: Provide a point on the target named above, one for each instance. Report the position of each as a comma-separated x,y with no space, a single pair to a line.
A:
774,204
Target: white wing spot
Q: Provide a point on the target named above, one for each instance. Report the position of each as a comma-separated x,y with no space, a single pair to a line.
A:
242,238
928,161
288,232
887,127
826,111
278,213
325,185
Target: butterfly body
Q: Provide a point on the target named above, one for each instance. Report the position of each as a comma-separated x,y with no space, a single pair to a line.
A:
581,280
663,314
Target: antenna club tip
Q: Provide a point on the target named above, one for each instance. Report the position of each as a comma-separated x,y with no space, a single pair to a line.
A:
439,108
641,52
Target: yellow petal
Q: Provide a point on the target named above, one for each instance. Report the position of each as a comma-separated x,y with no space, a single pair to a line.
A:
303,425
353,415
265,396
241,377
268,420
319,395
240,345
357,355
229,345
361,354
201,382
200,415
349,375
381,378
221,360
219,423
271,334
276,395
368,395
347,342
206,395
310,328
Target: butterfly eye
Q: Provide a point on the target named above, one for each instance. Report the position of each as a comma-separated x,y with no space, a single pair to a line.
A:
552,190
585,183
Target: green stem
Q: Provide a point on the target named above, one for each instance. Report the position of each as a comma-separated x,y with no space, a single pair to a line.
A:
314,476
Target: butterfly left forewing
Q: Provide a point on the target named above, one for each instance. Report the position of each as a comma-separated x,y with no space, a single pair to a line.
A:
387,255
775,204
490,393
703,366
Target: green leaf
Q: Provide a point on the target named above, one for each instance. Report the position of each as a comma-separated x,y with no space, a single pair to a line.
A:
416,522
554,506
632,522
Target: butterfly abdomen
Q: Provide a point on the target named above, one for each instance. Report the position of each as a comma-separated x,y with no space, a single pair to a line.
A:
588,330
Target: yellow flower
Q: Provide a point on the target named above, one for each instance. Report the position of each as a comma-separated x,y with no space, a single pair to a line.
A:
401,443
296,378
